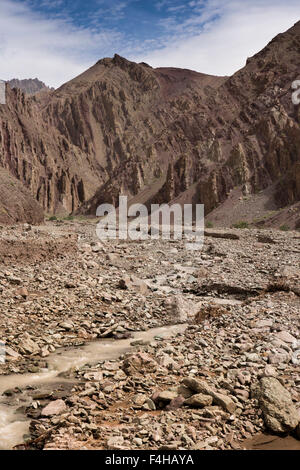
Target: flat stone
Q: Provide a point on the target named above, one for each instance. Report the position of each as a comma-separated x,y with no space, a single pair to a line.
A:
199,400
286,337
54,408
264,324
165,397
198,386
224,401
66,325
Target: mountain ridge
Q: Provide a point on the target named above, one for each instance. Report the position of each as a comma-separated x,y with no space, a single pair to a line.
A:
160,134
29,86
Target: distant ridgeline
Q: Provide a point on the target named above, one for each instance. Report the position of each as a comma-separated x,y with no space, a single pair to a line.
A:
30,86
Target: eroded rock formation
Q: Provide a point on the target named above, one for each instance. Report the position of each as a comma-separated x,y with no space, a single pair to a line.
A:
158,135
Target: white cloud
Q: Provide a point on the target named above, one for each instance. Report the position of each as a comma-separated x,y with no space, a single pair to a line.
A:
219,36
51,49
216,37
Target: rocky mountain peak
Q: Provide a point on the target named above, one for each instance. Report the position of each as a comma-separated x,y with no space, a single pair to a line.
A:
29,86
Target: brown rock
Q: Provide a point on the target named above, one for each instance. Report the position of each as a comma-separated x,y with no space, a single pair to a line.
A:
199,401
279,412
175,403
54,408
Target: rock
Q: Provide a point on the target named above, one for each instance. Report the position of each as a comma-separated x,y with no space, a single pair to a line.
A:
252,357
29,345
243,395
199,400
139,399
264,324
286,337
115,442
171,446
139,363
109,331
15,280
270,371
45,352
184,391
133,283
180,309
280,414
224,401
197,386
68,326
278,358
70,285
137,441
149,405
175,403
23,292
11,355
54,408
165,397
167,362
114,260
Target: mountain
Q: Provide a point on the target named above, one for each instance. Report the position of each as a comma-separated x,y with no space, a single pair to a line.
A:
163,135
29,86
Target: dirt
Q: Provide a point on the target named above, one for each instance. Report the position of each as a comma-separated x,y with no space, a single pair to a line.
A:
236,306
269,442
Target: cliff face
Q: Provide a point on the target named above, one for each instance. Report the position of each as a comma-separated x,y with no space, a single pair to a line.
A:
33,152
158,135
16,202
210,135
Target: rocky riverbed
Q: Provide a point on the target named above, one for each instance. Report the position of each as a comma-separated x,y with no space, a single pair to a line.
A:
229,372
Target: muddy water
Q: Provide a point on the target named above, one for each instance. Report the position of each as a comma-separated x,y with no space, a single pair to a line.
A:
14,425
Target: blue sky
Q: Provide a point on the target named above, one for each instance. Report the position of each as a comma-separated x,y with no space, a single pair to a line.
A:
55,40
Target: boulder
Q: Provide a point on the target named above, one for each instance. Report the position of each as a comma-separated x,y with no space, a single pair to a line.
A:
180,309
286,337
139,363
199,386
199,400
54,408
28,345
279,412
165,397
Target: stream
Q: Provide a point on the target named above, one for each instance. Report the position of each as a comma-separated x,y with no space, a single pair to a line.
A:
14,424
